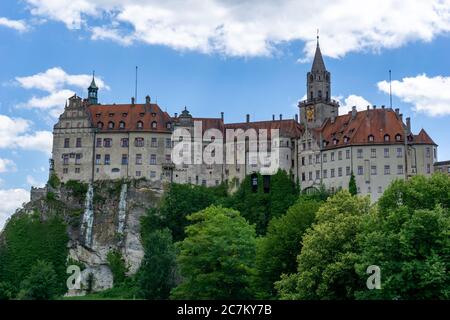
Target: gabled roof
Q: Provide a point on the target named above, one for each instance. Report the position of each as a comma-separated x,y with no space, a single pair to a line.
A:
423,138
288,128
130,114
318,63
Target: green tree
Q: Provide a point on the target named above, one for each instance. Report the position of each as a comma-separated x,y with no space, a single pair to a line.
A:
41,283
156,275
352,188
217,256
179,201
326,261
118,266
277,251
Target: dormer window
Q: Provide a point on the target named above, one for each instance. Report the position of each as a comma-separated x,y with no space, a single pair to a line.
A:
100,125
110,125
121,125
387,138
98,115
325,143
154,125
398,137
168,125
124,114
335,141
140,125
142,114
153,114
346,139
371,138
111,115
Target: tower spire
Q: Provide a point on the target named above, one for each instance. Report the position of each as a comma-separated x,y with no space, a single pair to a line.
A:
318,63
93,91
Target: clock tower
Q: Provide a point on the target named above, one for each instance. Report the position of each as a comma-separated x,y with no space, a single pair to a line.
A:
318,105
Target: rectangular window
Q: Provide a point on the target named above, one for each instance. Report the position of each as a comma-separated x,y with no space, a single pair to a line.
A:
78,143
303,161
310,176
324,158
317,158
99,143
77,170
138,173
138,158
400,169
386,152
65,170
380,190
348,171
124,159
168,143
98,158
168,158
65,159
373,170
78,158
303,176
332,156
373,153
152,174
139,142
387,170
399,152
332,173
347,154
359,153
124,142
107,143
340,155
310,160
154,143
317,174
204,182
107,159
428,152
325,174
67,143
153,159
339,172
428,168
360,170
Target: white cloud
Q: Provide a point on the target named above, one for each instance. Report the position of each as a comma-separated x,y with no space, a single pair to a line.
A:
10,200
16,133
7,165
18,25
352,100
428,95
55,82
35,183
254,27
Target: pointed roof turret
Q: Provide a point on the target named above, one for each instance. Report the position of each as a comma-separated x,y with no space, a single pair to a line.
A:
93,85
318,64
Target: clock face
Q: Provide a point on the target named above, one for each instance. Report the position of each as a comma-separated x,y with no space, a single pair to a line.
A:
310,114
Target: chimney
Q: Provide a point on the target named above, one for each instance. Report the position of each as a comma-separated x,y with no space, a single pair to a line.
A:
132,100
408,125
248,118
374,106
147,99
273,117
333,119
281,116
401,116
368,108
397,111
382,107
221,116
354,112
176,115
296,117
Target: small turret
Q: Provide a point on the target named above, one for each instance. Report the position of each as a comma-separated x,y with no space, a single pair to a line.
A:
93,91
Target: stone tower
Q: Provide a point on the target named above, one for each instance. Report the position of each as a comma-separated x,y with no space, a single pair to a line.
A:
93,92
318,105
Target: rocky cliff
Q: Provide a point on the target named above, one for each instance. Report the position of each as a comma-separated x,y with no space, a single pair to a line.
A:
101,217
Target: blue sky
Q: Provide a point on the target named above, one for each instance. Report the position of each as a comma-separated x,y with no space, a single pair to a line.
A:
249,57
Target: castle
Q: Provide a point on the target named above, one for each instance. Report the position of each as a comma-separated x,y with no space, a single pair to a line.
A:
92,141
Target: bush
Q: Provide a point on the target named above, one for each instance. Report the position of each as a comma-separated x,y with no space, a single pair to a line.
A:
118,266
53,181
79,189
41,283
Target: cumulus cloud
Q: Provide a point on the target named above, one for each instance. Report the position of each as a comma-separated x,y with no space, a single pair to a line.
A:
16,133
7,165
352,101
10,200
18,25
35,183
56,83
254,27
429,95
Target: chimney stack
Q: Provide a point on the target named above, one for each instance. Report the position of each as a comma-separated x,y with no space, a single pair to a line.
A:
397,111
401,116
368,107
374,106
176,115
132,100
296,117
147,99
354,112
222,115
383,106
408,125
248,118
281,116
273,117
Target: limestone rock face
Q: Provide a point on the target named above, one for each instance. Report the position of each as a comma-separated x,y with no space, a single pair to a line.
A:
110,205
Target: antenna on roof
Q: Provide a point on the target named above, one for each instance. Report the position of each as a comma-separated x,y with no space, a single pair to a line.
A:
390,88
135,85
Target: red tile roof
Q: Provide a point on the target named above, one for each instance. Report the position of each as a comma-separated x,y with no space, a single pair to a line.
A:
423,138
288,128
130,114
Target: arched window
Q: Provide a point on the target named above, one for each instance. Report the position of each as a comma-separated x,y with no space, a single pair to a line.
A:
398,137
387,138
140,124
110,125
371,138
100,125
311,95
154,125
311,78
122,125
320,94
